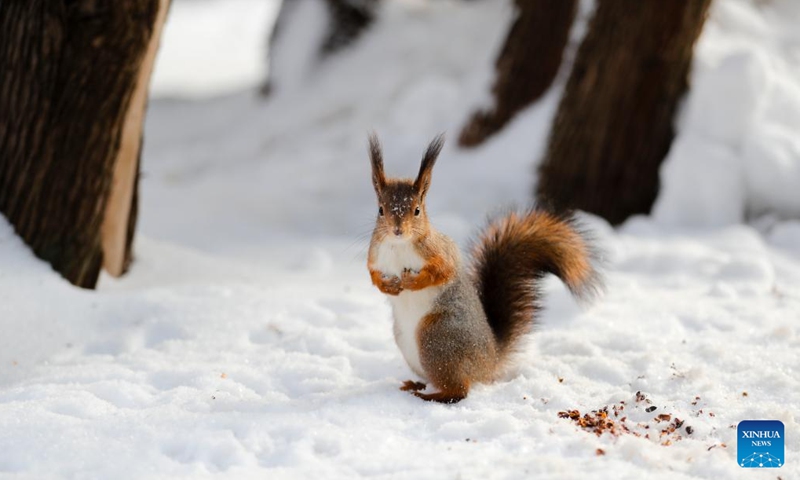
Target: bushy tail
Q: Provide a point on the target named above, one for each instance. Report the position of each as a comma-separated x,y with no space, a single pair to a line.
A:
514,252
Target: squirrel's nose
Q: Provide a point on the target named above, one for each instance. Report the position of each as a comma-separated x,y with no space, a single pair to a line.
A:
398,231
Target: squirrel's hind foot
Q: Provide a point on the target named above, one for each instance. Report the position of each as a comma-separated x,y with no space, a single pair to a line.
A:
412,386
441,397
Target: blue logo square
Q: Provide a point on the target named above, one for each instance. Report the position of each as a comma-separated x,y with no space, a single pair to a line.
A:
760,444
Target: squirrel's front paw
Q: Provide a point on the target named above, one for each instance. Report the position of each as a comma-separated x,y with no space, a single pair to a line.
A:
391,285
409,279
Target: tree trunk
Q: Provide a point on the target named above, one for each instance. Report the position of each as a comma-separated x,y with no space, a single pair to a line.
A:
614,123
347,20
70,69
526,66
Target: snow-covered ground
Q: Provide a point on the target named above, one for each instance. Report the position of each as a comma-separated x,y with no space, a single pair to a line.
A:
247,342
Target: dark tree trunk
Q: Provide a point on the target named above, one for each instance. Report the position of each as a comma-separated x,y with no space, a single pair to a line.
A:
347,20
614,123
526,66
70,69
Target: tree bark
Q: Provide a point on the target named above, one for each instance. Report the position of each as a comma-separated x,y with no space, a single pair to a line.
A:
70,68
527,64
614,124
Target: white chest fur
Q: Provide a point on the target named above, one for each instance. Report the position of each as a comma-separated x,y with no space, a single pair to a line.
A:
408,308
394,256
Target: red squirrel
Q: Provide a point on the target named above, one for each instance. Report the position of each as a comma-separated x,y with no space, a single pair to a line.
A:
458,325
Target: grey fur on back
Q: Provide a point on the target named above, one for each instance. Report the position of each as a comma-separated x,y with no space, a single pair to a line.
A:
461,327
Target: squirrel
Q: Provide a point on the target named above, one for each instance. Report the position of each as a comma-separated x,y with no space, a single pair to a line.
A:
457,325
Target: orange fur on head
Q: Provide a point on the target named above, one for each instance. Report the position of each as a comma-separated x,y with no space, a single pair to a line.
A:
401,202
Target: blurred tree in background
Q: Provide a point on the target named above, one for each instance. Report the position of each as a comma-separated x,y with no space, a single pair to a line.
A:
614,125
527,64
74,92
72,97
347,20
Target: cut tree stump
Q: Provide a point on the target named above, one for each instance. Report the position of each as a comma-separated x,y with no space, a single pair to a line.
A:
70,71
614,123
119,221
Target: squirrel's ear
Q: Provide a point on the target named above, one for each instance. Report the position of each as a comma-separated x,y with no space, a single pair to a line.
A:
423,180
376,157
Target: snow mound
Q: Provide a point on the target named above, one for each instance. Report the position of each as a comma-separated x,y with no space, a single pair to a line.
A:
736,155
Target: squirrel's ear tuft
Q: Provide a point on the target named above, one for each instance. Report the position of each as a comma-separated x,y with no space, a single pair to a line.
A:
423,181
376,157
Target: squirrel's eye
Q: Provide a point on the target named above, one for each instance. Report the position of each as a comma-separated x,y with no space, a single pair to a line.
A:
416,212
380,211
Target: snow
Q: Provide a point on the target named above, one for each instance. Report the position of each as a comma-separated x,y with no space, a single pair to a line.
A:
213,47
740,120
247,341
